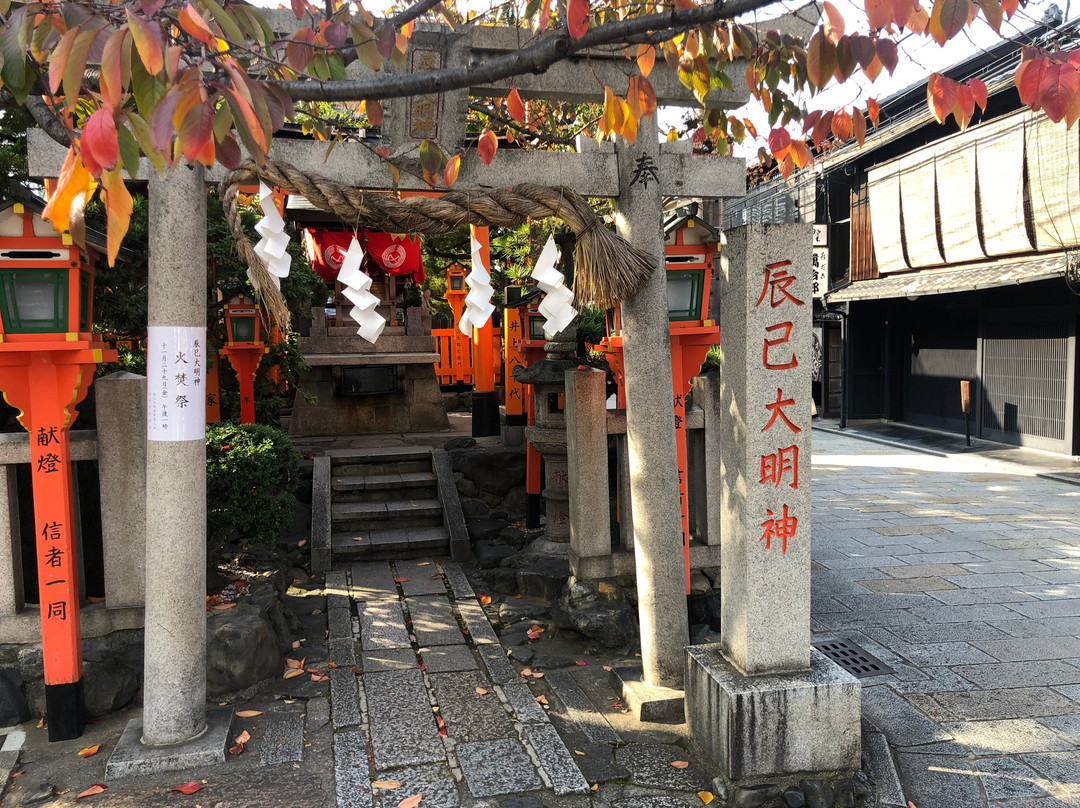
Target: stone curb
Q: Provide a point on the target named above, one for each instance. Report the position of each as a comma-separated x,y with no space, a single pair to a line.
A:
1004,465
878,759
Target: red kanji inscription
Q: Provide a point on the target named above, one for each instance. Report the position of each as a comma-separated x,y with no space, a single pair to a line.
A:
777,281
782,528
777,410
772,343
775,466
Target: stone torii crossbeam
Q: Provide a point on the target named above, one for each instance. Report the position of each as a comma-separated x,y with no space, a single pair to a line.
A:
174,711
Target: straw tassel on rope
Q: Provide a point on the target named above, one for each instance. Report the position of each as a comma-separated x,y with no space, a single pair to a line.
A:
608,268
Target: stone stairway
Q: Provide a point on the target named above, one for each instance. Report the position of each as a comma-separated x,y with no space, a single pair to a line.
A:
385,504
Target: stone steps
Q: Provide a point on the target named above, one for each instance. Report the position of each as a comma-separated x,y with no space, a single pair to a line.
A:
418,465
384,487
390,543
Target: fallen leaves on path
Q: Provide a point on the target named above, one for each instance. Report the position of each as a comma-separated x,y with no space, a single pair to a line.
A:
581,662
706,797
386,785
485,600
481,691
679,764
534,632
541,699
411,802
90,751
400,580
97,788
248,713
188,788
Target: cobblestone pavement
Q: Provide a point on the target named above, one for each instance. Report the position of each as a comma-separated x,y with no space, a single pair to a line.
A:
965,581
423,700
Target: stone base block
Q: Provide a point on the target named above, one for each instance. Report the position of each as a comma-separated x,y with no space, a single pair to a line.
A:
132,757
768,728
645,702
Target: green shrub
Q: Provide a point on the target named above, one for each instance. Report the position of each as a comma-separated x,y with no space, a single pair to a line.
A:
251,473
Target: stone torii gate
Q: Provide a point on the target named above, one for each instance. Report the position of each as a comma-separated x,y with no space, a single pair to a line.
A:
175,731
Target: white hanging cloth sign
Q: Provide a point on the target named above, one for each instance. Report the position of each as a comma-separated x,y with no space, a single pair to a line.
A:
557,305
357,289
175,383
273,246
478,305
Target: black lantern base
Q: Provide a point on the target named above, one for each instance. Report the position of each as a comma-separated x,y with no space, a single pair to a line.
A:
65,711
485,415
534,504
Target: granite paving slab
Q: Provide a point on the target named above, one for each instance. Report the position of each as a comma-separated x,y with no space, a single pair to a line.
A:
964,614
901,722
344,699
498,767
649,764
498,665
382,626
1008,737
580,709
436,783
476,623
447,658
403,731
598,764
1020,702
342,652
1031,649
1049,608
971,597
1067,725
1021,674
555,758
941,680
927,783
419,580
433,621
340,622
897,586
352,778
470,716
951,632
392,659
373,580
524,703
1061,767
459,583
944,653
651,802
283,739
916,570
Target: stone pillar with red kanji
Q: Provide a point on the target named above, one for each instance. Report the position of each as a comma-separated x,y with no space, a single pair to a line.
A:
765,321
758,702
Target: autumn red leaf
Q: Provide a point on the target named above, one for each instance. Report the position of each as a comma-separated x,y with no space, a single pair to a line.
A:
862,48
646,57
110,80
841,125
400,580
779,141
188,788
1010,7
1028,81
90,751
149,41
948,19
978,92
97,788
101,148
410,802
858,125
450,175
515,106
833,26
887,53
940,96
487,146
386,785
192,22
878,13
118,205
1058,87
248,713
873,110
577,17
679,764
820,60
484,599
581,662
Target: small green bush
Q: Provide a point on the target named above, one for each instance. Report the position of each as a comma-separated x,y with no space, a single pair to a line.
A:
251,473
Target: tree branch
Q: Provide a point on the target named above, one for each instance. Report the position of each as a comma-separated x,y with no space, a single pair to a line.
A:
43,117
535,58
412,12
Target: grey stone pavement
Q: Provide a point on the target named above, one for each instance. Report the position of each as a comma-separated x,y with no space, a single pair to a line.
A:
965,579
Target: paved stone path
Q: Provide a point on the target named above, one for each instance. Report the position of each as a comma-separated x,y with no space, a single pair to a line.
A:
422,695
966,581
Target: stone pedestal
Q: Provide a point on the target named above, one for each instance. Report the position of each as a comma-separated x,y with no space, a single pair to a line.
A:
764,705
548,436
121,427
11,576
774,727
587,456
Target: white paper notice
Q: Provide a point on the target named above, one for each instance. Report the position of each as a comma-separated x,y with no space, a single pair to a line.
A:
175,386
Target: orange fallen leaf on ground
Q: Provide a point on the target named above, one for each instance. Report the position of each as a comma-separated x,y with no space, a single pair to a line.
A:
411,802
423,563
97,788
679,764
296,644
706,797
333,666
90,751
41,723
607,667
248,713
581,662
481,691
386,785
301,543
96,600
318,677
223,606
484,599
243,737
579,752
295,663
400,580
316,611
534,632
188,788
541,699
538,676
526,672
289,674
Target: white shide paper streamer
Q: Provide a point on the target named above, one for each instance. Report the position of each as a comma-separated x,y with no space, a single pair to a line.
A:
478,305
357,288
273,246
557,305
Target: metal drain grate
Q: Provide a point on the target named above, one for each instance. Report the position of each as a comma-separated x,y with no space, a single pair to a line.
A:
857,661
